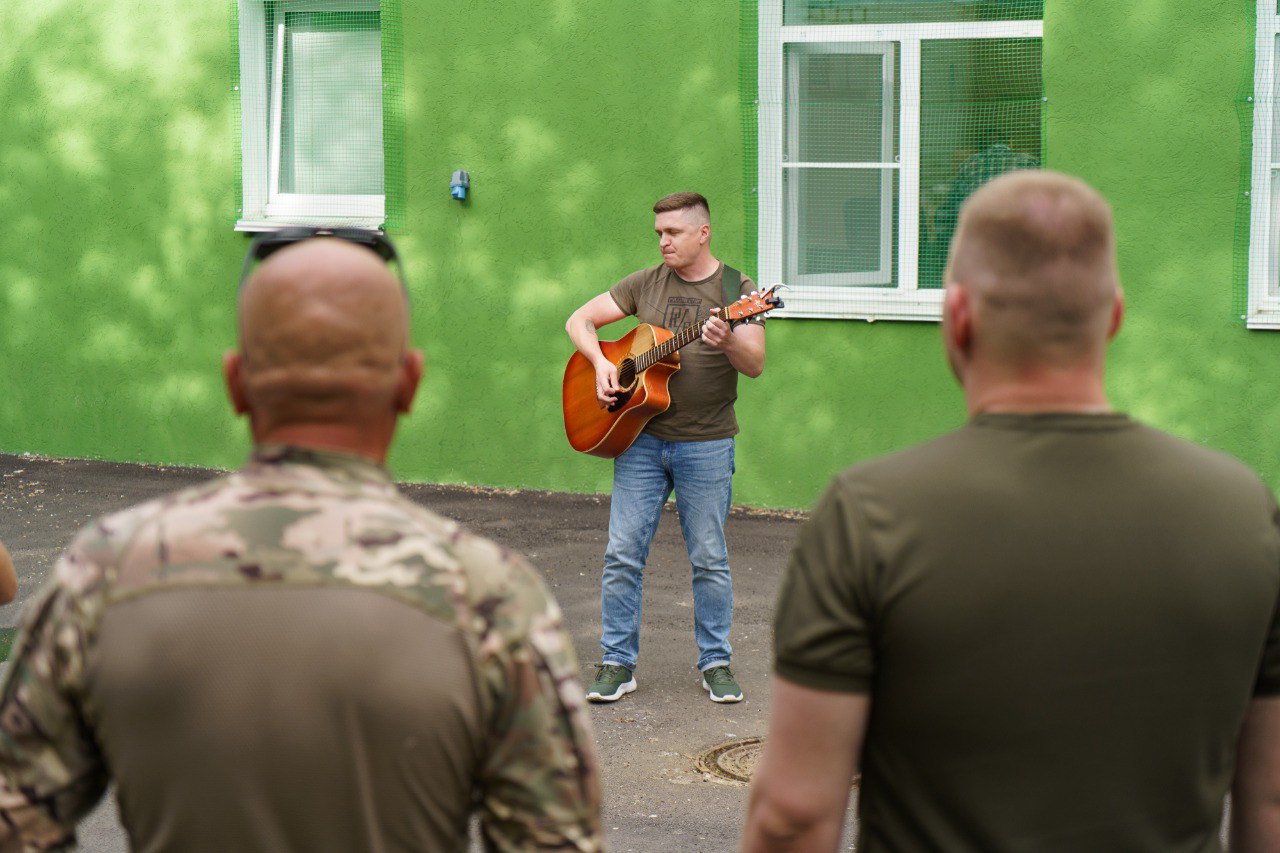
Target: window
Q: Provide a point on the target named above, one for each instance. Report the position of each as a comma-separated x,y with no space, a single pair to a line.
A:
876,120
1264,215
311,90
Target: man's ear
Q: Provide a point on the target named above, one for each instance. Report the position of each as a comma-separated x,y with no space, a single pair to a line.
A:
232,364
957,319
1117,314
411,370
704,233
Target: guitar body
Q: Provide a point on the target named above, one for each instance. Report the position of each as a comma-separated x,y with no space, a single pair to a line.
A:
608,432
645,393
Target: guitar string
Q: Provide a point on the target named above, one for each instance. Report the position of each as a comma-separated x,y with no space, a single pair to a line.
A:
685,336
681,338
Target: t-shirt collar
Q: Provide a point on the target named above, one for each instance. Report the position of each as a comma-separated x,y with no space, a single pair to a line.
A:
335,464
719,268
1078,421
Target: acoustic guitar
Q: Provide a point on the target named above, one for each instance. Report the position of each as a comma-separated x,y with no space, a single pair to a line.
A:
646,357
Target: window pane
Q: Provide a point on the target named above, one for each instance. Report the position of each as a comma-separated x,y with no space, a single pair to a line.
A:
908,11
840,225
1275,125
331,119
1273,263
980,103
842,103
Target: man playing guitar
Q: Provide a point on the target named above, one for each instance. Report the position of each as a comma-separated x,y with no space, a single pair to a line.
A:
688,448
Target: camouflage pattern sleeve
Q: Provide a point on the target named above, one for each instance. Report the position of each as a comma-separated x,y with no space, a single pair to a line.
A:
539,784
51,771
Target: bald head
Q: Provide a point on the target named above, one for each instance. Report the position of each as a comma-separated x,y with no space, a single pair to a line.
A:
1035,252
323,337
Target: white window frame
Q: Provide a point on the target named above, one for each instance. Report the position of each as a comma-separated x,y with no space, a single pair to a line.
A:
262,94
1264,219
883,275
906,301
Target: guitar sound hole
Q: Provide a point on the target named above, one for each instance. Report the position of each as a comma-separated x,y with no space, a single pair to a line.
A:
627,373
627,381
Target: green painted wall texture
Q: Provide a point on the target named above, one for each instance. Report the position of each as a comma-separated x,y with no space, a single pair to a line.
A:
118,262
1142,103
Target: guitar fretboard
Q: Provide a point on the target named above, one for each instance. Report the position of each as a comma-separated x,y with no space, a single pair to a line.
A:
684,337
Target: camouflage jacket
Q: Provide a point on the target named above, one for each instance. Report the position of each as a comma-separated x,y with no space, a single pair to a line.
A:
294,519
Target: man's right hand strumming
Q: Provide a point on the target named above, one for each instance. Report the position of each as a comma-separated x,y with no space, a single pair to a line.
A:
606,382
582,326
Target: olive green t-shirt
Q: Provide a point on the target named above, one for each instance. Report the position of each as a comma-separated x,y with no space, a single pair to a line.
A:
1060,619
704,389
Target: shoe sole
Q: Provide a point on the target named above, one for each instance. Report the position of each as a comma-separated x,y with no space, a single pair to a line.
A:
737,697
623,690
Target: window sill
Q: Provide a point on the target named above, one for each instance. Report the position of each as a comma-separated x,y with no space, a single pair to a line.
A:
1263,319
318,211
374,223
870,304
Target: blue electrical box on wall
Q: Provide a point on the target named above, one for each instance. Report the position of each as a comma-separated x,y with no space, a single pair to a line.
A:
459,185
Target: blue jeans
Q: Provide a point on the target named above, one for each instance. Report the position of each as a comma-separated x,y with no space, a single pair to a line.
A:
701,474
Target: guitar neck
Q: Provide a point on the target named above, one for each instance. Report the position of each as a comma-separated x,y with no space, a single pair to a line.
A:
682,338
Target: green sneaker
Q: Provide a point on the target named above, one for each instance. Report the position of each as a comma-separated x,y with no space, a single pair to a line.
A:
612,683
720,683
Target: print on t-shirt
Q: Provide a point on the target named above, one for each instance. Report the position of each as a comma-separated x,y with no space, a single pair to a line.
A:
681,311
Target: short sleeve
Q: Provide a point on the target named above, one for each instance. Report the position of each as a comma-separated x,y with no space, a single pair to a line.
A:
627,292
1268,681
823,624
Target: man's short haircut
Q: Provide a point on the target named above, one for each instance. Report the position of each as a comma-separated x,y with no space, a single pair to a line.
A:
1036,250
684,201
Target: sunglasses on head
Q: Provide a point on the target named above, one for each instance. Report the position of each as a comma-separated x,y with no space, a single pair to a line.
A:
267,243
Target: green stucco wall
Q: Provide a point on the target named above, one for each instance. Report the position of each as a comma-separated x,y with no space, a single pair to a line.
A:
1142,103
118,262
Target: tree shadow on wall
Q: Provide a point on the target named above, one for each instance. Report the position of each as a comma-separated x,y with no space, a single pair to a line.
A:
1150,118
572,124
116,181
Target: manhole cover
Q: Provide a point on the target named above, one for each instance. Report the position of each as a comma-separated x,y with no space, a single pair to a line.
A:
734,761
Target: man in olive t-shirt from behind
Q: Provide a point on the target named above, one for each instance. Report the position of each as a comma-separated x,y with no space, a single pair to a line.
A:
688,448
1051,630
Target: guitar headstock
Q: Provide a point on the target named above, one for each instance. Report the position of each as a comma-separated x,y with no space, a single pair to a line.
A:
754,304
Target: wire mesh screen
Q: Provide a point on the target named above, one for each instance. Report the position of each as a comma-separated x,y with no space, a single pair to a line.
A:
1242,266
870,124
330,102
980,116
318,89
393,114
799,12
1256,259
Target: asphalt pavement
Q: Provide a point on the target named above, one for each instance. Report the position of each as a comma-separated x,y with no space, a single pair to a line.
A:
655,797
